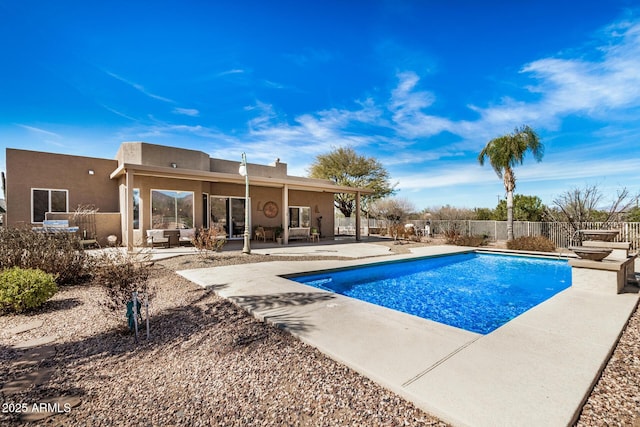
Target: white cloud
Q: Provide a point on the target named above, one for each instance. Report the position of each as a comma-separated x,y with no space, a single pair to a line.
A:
39,130
118,113
571,169
443,175
594,87
407,105
187,111
45,136
139,88
266,114
230,72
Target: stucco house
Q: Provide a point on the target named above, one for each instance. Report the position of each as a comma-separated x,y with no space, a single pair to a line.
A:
150,186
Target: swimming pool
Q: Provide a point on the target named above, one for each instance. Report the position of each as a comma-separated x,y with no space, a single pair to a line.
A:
473,291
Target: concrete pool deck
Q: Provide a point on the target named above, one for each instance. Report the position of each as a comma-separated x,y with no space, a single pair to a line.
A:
535,370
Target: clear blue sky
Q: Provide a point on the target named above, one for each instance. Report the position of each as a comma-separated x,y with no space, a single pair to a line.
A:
419,85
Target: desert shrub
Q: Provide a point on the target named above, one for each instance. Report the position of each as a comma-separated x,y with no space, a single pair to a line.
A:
121,274
24,289
59,254
532,243
394,231
398,231
473,241
207,241
452,235
409,233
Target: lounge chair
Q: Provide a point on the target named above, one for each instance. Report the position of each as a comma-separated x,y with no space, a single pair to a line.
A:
156,236
186,235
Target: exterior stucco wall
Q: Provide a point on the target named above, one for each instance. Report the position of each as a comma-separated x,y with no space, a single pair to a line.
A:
33,169
130,152
260,196
321,205
142,153
275,170
226,189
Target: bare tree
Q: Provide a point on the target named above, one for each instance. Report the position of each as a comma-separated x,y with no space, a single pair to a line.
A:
394,209
448,212
579,206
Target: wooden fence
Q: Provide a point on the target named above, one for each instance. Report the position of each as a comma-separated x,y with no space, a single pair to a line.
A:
562,234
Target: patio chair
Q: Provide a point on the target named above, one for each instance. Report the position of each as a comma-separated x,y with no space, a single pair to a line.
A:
156,236
186,235
260,234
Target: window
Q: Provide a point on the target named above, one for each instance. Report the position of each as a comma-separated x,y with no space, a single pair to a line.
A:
45,200
171,209
299,216
136,209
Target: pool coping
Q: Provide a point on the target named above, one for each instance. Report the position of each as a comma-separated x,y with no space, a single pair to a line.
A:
537,369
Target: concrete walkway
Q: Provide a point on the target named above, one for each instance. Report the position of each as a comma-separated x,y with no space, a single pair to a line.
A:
535,370
329,248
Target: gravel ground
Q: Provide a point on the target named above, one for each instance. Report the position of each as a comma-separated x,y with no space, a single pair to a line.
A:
210,363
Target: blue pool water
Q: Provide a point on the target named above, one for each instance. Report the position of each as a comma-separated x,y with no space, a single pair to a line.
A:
472,291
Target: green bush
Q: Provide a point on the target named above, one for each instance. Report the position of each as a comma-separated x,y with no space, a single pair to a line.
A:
59,254
24,289
532,243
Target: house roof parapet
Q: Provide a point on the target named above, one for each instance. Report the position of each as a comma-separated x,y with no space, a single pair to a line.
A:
143,153
144,159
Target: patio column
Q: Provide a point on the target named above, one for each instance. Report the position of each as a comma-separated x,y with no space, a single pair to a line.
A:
129,210
358,219
285,214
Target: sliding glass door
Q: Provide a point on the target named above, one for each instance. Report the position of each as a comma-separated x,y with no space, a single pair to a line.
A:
227,213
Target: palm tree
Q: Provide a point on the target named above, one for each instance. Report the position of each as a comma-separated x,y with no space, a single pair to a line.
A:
504,153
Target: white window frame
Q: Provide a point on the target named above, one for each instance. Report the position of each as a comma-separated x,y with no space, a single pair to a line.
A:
66,208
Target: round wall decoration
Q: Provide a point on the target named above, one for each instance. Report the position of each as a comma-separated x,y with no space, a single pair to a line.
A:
270,209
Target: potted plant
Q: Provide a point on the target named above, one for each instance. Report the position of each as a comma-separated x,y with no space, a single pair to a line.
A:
278,233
